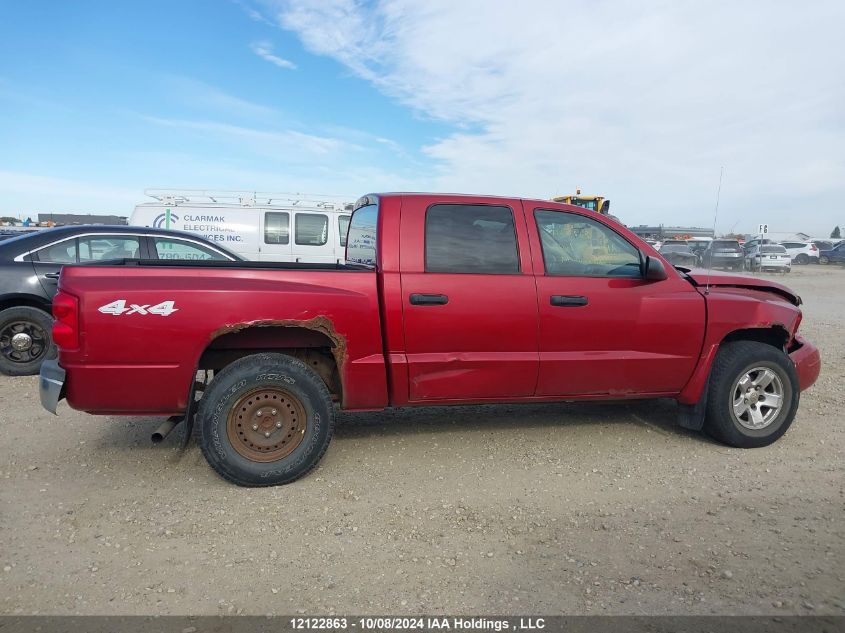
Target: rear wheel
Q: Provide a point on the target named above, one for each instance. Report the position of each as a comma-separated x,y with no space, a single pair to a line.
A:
265,420
26,339
753,395
802,259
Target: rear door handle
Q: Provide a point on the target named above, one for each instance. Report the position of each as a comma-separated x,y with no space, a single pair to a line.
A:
568,301
52,275
429,300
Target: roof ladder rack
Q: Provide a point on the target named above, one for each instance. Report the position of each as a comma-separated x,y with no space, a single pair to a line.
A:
175,197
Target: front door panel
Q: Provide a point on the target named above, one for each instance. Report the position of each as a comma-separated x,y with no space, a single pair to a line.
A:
603,328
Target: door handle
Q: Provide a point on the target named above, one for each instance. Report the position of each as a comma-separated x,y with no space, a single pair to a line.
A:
568,301
52,275
428,300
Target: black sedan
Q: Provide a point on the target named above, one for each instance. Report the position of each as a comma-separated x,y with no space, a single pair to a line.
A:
29,273
679,254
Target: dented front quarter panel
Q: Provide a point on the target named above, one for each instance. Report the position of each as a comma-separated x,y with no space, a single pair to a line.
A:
732,308
144,364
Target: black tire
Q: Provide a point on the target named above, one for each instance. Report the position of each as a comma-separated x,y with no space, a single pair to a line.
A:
824,259
35,324
261,374
733,361
802,259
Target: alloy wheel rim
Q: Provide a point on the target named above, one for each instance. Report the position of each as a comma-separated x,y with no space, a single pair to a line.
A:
22,342
757,398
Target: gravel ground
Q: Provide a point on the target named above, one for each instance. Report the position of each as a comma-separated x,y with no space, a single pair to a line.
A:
599,509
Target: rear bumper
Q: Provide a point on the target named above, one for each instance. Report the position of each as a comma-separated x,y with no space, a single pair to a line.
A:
51,385
807,361
727,262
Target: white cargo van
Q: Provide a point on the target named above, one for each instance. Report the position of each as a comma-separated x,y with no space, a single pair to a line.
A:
258,226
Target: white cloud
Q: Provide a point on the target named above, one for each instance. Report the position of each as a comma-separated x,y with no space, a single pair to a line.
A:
193,92
265,51
253,14
281,143
642,102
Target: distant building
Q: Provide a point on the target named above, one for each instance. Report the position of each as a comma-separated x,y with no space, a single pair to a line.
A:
782,236
63,219
667,232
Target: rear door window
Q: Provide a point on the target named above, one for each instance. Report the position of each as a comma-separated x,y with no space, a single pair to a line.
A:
343,228
312,229
61,253
470,238
94,249
276,227
168,248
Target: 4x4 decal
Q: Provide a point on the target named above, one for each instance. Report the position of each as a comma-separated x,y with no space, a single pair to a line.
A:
116,308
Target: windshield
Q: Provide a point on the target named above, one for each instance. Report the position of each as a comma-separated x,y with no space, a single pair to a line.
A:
774,249
587,204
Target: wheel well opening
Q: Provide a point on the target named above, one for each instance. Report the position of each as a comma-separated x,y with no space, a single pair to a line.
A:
776,336
25,302
314,348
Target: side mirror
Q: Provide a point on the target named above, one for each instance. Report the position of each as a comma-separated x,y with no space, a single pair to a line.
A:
654,269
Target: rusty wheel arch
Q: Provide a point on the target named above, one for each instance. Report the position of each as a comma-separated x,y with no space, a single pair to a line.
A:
313,341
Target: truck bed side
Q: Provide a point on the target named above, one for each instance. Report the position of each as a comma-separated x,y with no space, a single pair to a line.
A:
134,360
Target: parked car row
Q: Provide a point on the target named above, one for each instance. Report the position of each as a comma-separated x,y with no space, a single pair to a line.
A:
731,255
714,254
29,273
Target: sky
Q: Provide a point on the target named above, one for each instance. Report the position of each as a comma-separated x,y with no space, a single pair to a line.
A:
643,102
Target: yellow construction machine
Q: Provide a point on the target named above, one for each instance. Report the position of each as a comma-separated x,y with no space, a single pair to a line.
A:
594,203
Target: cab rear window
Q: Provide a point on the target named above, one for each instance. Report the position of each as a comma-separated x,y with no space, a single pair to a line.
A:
363,232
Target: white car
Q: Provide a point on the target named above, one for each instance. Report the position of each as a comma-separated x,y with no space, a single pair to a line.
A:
802,252
768,257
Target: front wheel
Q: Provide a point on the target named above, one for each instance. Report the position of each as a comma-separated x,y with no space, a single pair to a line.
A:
824,259
753,395
26,339
265,420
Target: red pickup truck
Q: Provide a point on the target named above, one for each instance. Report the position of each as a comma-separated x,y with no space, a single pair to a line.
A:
443,299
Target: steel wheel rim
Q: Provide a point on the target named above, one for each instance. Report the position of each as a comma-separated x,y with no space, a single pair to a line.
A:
22,342
266,424
757,398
